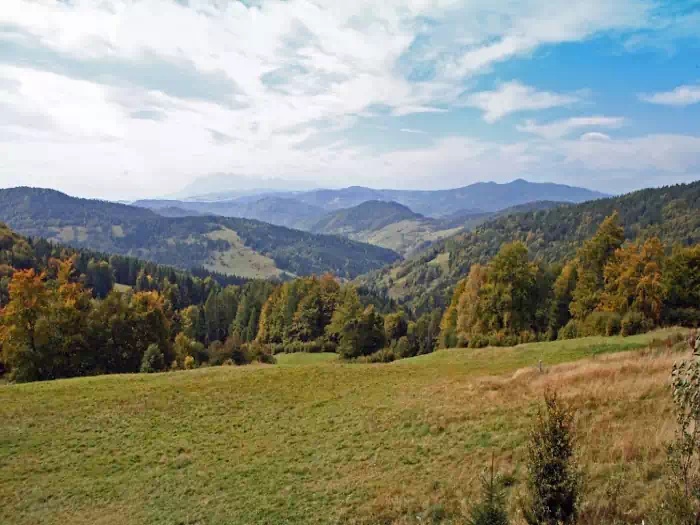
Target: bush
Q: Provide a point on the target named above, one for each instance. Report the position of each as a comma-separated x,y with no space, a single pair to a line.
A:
689,317
256,352
189,362
614,325
385,355
571,330
153,360
185,346
602,323
217,353
554,480
312,347
634,323
503,339
526,336
329,346
478,341
402,348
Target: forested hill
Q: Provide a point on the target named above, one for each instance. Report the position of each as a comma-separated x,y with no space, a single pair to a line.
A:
370,215
552,235
241,247
26,208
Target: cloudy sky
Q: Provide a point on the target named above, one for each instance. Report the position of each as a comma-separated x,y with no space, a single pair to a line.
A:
128,98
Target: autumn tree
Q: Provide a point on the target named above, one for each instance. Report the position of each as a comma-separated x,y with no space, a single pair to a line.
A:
29,299
591,260
349,308
634,281
395,326
562,295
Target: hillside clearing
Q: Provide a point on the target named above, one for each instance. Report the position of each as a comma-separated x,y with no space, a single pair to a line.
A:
326,443
239,259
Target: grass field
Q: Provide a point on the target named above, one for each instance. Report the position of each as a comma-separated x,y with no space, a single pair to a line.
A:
326,442
300,359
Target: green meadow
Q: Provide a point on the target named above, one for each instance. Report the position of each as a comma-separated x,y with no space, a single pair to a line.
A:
316,440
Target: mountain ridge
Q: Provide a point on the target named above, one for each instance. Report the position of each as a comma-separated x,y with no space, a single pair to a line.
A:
243,247
314,204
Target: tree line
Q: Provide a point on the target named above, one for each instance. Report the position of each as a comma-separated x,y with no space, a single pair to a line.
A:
62,315
610,287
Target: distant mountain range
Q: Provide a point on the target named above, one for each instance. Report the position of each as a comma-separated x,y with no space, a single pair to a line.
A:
404,221
234,246
226,186
302,210
347,232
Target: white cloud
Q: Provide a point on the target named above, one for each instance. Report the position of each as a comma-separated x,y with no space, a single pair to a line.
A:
681,96
561,128
595,135
411,130
668,154
410,110
118,98
514,97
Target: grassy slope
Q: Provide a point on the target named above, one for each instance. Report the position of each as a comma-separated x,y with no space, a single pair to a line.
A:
329,443
405,237
303,359
239,259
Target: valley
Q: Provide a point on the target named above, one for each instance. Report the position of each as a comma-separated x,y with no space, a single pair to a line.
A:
251,248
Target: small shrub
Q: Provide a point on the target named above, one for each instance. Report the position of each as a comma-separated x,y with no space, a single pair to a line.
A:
633,323
570,331
682,498
491,510
153,360
554,480
189,362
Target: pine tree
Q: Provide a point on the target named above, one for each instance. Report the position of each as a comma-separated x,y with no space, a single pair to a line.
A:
491,510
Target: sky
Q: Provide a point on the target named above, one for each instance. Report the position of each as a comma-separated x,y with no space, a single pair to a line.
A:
124,98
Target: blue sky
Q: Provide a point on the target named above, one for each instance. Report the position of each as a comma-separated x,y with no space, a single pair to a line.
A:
126,98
